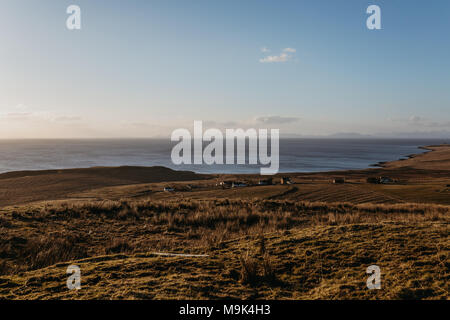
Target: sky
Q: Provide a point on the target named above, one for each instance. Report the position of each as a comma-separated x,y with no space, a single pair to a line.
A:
144,68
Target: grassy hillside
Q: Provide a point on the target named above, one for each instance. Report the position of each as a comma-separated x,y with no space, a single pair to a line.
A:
268,249
31,186
308,240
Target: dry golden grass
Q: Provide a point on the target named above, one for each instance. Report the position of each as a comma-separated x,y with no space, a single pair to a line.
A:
259,249
438,159
310,240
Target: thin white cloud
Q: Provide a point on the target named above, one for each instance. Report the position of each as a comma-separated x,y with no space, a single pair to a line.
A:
24,113
16,116
419,121
265,49
271,120
67,118
286,55
220,124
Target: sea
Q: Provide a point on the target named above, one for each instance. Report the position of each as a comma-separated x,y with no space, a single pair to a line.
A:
296,155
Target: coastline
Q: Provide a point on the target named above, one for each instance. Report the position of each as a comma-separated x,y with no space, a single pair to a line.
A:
380,164
21,187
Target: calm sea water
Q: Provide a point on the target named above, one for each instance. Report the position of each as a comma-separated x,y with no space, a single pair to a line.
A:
296,155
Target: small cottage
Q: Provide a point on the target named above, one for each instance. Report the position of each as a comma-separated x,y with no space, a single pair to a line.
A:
386,180
373,180
265,182
226,184
238,185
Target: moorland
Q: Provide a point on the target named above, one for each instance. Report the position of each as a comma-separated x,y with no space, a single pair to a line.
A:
305,238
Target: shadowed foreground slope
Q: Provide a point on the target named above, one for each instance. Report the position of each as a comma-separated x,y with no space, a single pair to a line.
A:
28,186
271,250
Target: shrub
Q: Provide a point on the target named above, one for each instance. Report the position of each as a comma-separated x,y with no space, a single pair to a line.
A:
249,270
268,269
45,251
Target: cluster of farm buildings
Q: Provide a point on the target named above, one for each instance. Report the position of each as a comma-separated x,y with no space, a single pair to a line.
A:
228,184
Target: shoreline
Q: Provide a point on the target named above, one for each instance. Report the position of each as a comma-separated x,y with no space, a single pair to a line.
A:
22,187
382,164
378,165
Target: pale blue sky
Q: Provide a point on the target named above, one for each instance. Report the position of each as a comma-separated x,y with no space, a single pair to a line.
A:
143,68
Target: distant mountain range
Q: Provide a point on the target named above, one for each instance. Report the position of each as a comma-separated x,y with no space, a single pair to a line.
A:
398,135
